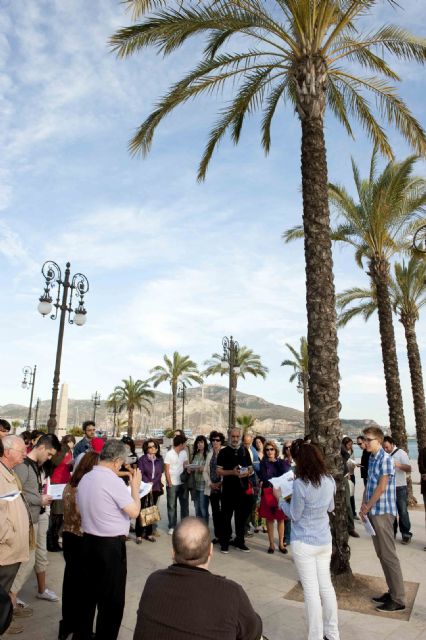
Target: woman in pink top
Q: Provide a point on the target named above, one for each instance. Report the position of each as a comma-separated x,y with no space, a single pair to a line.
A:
62,465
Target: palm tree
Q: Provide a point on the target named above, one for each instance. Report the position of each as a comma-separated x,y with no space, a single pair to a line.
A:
300,366
246,422
131,395
113,404
408,296
178,369
247,362
289,53
376,226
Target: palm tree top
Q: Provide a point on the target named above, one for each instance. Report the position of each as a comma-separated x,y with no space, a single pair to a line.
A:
300,362
177,369
134,393
388,204
288,52
247,361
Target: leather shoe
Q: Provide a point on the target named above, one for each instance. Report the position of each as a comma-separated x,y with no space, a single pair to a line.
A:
390,607
354,533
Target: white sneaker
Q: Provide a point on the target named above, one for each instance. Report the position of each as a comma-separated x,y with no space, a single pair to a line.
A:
170,532
48,595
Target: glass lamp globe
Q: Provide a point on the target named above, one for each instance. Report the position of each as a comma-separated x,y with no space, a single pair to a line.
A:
44,307
24,385
80,319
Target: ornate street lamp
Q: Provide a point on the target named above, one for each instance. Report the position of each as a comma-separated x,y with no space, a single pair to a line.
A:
419,239
96,399
28,382
182,394
67,287
230,363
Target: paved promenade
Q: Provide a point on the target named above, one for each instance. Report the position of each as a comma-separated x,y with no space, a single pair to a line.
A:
266,579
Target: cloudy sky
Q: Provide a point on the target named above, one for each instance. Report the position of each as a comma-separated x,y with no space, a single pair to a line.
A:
172,264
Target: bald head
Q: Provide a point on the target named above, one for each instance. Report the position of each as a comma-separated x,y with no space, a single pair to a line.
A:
191,542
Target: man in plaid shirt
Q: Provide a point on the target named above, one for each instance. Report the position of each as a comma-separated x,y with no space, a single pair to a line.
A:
379,502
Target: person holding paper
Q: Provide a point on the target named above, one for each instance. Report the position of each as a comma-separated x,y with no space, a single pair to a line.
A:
379,505
62,464
14,521
151,465
311,502
30,474
272,466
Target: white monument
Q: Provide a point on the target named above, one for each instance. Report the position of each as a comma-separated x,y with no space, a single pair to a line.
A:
63,412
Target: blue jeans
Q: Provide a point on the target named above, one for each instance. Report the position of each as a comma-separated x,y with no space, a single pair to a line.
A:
175,493
404,518
202,505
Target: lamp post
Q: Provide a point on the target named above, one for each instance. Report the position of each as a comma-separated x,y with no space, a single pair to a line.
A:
230,363
419,239
79,284
96,399
29,381
182,394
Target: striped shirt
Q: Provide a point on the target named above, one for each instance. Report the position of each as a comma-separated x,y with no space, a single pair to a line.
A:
308,511
381,464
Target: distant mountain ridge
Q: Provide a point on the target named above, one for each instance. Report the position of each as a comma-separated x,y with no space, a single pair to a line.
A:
206,407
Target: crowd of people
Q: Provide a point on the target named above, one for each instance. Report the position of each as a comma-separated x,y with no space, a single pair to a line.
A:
231,483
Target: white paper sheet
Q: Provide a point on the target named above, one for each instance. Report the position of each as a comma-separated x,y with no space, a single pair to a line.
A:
284,483
145,488
369,527
56,491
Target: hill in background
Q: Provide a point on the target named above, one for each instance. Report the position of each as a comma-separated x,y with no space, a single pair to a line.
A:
206,408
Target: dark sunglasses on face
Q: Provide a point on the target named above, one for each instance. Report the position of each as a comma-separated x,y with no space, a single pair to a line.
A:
269,449
215,440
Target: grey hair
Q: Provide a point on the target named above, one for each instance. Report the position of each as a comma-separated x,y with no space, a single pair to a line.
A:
9,441
112,450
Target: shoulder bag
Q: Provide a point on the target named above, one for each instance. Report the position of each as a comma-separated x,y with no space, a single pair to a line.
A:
150,513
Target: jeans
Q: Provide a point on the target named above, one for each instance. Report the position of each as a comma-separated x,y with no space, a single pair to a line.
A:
313,566
403,517
175,493
202,505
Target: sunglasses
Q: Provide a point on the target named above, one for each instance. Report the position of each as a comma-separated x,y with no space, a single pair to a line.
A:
215,440
269,449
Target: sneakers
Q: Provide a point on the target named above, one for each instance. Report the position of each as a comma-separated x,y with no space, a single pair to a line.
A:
48,595
406,540
224,549
14,628
243,547
170,532
390,607
381,599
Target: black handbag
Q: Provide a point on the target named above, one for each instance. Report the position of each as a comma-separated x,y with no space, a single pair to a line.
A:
6,611
188,479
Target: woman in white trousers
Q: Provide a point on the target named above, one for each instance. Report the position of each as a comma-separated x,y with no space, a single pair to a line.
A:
308,507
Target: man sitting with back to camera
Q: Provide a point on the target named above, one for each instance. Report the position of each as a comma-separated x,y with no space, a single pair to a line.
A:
187,601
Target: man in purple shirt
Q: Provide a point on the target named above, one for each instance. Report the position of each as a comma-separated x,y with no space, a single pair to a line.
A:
106,506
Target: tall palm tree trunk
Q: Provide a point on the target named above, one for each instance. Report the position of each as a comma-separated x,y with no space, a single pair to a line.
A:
416,376
379,272
306,403
174,405
322,334
130,422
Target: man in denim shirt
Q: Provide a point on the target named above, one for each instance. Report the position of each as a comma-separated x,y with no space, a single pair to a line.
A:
379,505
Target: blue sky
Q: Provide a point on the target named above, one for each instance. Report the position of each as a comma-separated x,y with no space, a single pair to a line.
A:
172,264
